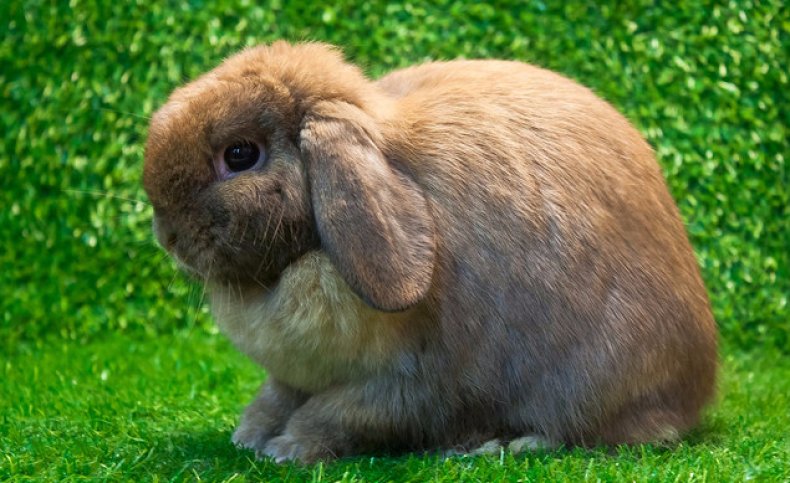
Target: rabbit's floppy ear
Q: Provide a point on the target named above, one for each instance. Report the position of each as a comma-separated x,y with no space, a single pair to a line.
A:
373,220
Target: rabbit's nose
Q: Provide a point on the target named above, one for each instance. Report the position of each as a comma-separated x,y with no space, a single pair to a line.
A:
164,232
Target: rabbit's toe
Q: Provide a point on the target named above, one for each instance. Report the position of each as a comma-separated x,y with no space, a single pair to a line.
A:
287,447
250,436
533,442
493,446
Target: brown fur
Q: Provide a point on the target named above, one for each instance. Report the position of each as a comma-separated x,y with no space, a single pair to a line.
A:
460,252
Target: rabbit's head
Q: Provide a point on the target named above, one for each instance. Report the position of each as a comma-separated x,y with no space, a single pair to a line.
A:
279,151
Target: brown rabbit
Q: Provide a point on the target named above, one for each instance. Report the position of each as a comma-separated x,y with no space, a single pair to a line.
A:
457,253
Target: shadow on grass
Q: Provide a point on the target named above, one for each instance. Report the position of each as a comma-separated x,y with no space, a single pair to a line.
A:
710,432
209,454
187,451
192,452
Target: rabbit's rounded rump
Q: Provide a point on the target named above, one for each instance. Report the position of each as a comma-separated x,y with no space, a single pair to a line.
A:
458,252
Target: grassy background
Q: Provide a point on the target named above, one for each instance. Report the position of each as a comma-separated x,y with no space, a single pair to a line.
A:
112,367
706,83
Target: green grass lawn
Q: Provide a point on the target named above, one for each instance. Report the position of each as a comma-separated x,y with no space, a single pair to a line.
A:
164,408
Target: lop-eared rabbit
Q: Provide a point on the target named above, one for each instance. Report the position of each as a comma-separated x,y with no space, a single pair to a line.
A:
456,254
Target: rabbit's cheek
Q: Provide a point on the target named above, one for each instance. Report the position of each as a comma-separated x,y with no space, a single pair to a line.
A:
310,330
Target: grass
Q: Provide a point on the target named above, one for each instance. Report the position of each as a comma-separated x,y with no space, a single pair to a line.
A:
164,408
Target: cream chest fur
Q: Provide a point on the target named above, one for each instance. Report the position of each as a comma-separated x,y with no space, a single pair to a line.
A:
310,331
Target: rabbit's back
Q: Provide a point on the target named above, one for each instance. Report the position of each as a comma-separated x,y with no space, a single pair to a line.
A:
569,263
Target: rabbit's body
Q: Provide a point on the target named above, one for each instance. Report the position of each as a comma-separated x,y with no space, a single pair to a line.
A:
476,250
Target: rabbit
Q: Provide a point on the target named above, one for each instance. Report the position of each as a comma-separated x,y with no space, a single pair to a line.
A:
459,256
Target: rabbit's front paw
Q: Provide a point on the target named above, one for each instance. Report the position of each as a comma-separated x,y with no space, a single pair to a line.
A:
250,436
287,447
281,449
265,417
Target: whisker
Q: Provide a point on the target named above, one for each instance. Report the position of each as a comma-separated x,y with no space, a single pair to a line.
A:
255,279
277,233
265,233
238,286
197,303
105,195
161,258
156,259
188,319
145,243
268,222
244,231
172,281
203,292
143,249
122,216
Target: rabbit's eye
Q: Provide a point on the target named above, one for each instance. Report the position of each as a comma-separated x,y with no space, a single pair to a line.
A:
241,156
